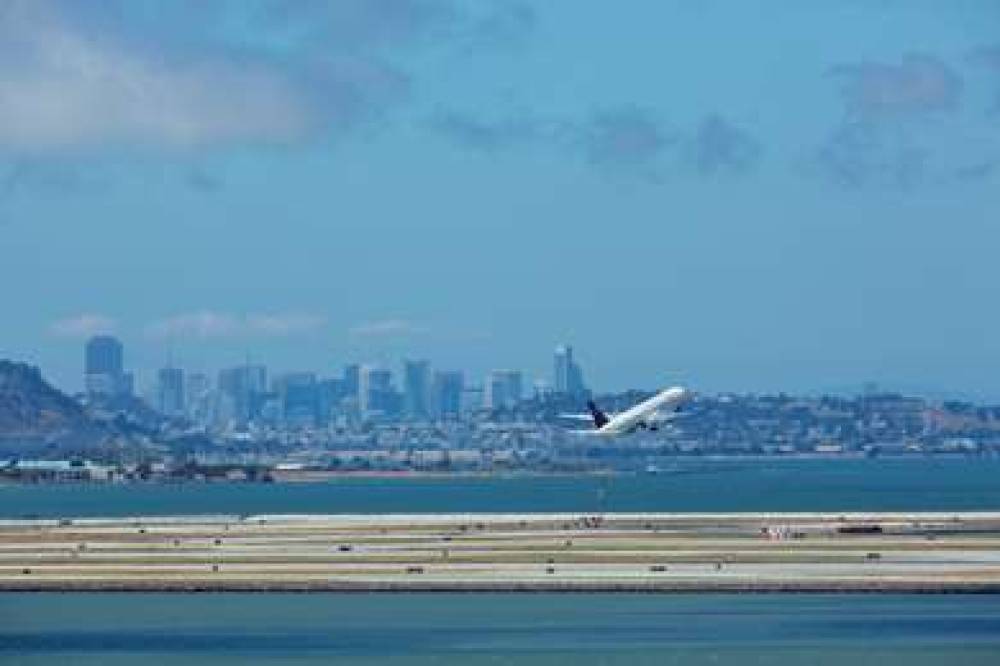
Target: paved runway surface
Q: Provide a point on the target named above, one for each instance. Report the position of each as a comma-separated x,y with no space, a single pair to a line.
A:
515,552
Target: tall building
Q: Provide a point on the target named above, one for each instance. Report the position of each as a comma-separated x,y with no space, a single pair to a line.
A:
104,355
198,398
446,393
330,393
473,398
568,379
376,395
352,380
241,392
170,392
299,397
104,373
416,388
503,389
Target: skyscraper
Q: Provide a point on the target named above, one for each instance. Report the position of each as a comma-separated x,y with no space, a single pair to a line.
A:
416,388
376,395
447,387
352,380
241,391
104,355
198,398
503,389
563,360
104,373
170,391
298,394
568,378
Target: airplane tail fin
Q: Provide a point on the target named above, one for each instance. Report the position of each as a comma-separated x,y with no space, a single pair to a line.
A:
600,418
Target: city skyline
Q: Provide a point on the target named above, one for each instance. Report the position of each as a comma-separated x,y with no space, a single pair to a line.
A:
251,392
144,382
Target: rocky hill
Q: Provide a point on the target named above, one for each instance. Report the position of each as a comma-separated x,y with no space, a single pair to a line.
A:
34,414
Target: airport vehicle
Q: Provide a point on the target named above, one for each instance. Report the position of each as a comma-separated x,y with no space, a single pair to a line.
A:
649,414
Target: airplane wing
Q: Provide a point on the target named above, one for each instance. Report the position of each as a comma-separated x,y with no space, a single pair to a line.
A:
589,418
576,417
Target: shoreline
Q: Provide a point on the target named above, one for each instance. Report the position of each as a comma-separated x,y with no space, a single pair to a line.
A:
678,464
340,587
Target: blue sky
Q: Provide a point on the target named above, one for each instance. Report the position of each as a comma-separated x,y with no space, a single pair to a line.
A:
749,196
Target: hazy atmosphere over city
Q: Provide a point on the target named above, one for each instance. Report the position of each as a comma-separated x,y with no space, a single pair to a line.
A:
794,196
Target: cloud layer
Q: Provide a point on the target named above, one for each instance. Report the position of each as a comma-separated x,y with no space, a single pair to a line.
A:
62,88
176,76
719,146
880,140
82,325
627,140
919,84
387,328
208,325
627,137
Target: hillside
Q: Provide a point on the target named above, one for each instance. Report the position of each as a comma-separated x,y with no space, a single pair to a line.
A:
33,413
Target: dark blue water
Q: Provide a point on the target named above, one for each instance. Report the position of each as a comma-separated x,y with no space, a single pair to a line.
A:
498,629
791,485
155,629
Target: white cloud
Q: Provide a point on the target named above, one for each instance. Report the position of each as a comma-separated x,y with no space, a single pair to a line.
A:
283,324
63,88
82,325
207,325
200,325
387,328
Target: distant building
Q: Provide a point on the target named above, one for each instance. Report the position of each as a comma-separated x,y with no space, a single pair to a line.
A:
416,388
330,394
472,399
198,398
104,355
503,389
299,397
126,384
352,380
568,377
104,373
170,392
446,393
376,395
241,393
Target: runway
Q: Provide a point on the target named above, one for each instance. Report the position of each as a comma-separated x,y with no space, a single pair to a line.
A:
629,552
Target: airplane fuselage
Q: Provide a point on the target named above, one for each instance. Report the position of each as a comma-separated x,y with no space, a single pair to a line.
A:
648,414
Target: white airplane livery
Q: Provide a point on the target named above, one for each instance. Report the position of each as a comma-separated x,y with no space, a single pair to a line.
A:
647,415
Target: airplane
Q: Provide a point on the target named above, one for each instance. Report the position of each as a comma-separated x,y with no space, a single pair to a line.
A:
647,415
